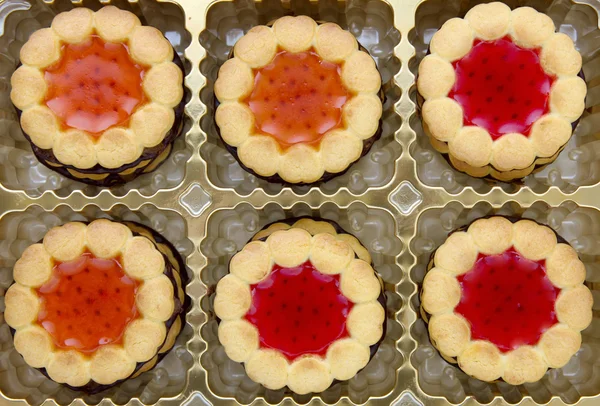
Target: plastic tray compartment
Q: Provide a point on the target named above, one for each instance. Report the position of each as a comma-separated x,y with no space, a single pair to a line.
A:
19,168
229,230
371,22
580,226
18,381
579,163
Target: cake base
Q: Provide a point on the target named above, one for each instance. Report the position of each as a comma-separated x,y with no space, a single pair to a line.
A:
176,272
381,298
367,144
97,175
425,316
489,172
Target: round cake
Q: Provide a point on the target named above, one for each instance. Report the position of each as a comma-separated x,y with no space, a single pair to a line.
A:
506,300
301,306
94,304
298,102
502,91
100,96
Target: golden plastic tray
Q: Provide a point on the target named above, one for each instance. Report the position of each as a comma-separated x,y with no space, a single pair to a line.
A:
401,201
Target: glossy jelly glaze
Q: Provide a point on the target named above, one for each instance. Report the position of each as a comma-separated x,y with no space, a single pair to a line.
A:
299,310
87,303
508,300
501,87
297,98
94,86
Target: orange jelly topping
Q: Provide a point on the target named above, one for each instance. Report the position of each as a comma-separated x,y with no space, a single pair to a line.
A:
297,98
87,303
94,86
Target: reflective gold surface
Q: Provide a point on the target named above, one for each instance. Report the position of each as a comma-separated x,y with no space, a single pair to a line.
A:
401,200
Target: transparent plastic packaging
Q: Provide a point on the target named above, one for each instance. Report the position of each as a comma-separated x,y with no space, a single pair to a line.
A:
401,201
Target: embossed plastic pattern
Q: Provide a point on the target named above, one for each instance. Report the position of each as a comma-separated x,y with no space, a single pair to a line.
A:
401,200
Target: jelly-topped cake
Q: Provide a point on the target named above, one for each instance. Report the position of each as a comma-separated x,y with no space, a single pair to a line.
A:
501,91
298,102
100,96
506,300
95,304
301,306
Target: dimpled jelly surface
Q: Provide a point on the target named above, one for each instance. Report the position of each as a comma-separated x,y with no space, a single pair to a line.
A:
94,86
299,310
87,303
297,98
501,87
508,300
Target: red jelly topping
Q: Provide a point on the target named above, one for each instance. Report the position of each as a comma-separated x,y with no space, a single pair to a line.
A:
94,86
299,310
87,303
501,87
508,300
297,98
